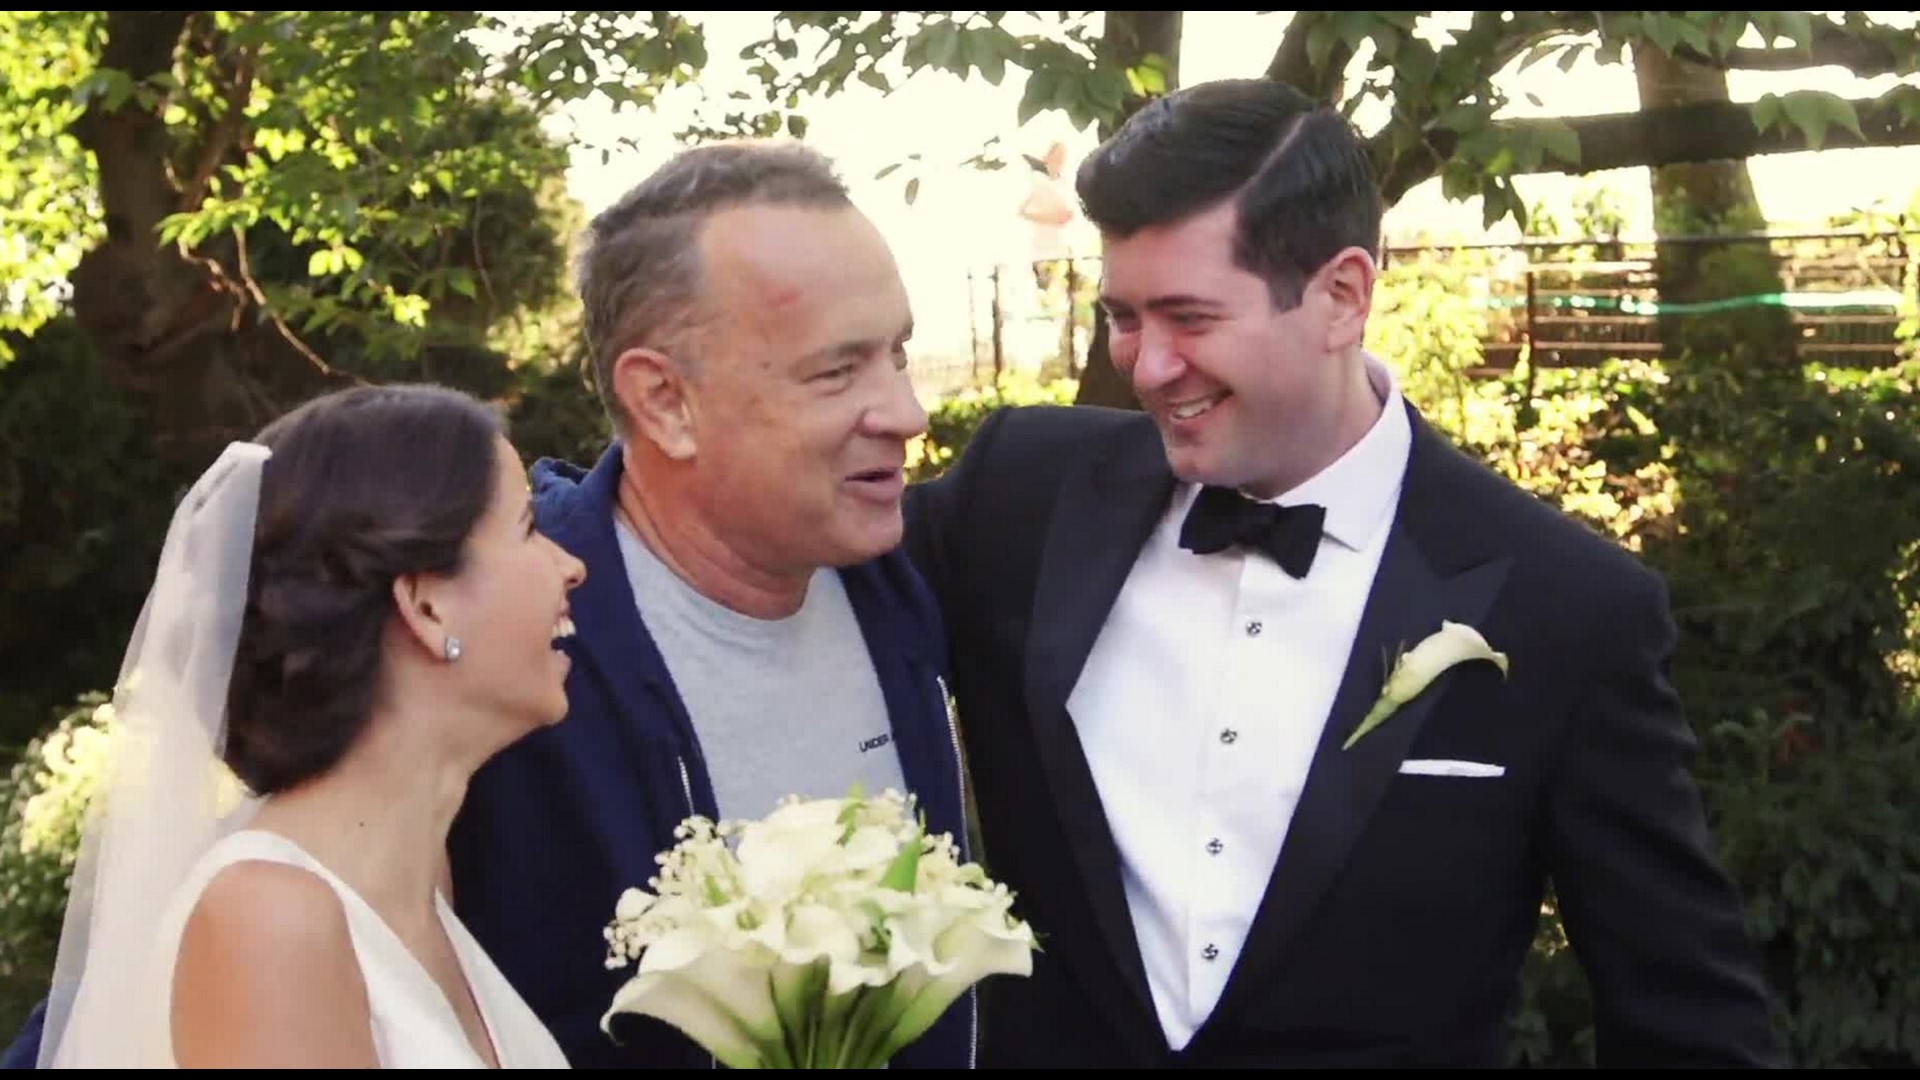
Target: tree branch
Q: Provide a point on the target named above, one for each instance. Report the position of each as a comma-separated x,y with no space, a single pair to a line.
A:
1674,135
1130,37
226,131
1863,50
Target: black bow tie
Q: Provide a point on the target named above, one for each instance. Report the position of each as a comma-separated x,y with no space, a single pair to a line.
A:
1222,517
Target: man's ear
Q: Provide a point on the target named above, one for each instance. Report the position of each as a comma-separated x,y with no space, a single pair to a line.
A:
416,599
652,389
1346,285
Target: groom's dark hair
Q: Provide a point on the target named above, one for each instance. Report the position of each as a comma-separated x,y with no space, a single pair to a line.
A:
364,485
1296,169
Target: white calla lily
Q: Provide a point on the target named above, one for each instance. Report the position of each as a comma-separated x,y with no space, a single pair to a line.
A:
718,996
1454,643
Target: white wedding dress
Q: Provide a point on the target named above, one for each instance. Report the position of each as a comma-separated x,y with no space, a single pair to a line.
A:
414,1026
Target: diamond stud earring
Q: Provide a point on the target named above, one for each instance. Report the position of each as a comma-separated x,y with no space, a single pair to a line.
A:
452,649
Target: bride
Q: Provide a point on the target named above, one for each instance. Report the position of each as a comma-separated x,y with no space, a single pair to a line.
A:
351,614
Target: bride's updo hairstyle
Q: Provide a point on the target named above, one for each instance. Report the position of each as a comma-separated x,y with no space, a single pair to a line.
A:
364,485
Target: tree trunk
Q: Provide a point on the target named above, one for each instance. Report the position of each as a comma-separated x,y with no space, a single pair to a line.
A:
176,331
1293,64
1129,37
1705,198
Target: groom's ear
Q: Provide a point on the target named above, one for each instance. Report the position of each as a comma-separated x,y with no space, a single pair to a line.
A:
652,389
1345,286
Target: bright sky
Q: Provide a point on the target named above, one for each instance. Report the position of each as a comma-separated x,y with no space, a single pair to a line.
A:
965,219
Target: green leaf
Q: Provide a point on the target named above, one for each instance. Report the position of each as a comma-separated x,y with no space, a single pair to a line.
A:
1905,98
1414,69
1694,35
1037,96
1107,90
1661,29
993,66
1499,201
1798,26
1386,43
1839,110
943,47
1562,141
1466,116
1728,31
904,871
1149,78
913,190
1809,114
1321,38
1767,112
987,50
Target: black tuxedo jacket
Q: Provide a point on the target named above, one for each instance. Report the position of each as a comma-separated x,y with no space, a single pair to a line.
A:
1401,906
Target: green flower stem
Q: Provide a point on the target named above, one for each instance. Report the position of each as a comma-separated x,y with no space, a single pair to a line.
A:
1381,710
831,1014
876,1043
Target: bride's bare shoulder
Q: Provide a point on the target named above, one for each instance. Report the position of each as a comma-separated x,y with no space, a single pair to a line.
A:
267,975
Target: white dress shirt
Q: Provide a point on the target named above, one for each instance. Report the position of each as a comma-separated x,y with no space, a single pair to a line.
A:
1202,703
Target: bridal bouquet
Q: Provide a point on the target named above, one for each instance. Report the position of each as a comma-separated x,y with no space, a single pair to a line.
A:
829,934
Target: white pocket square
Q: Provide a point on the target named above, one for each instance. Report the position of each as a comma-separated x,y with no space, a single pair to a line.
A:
1451,768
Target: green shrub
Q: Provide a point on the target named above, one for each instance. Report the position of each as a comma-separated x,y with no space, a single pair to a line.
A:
1780,504
46,795
84,506
952,421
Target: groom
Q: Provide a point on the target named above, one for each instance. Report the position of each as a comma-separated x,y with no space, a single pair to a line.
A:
1167,626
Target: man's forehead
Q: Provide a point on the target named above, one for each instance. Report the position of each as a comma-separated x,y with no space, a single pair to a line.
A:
776,253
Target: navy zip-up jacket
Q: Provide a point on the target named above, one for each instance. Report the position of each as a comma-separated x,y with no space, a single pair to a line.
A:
558,825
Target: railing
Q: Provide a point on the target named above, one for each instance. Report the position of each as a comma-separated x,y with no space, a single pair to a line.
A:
1573,302
1564,302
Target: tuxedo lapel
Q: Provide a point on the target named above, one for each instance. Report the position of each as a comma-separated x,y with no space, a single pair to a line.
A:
1101,518
1409,600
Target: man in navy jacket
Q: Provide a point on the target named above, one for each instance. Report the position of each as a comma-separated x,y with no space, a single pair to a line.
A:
749,627
557,826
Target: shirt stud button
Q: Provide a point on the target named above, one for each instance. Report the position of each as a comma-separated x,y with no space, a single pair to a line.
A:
1211,952
1228,736
1253,628
1215,847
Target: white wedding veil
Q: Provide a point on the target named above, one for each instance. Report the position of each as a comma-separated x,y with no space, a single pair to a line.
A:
164,796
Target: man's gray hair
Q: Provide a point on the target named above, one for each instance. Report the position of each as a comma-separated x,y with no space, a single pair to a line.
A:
639,275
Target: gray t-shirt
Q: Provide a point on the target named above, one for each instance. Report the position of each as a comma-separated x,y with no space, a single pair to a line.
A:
781,706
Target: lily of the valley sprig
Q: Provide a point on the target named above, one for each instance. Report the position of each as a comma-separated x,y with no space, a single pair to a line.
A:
1454,643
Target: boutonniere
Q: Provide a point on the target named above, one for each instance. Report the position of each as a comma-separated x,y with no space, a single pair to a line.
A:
1454,643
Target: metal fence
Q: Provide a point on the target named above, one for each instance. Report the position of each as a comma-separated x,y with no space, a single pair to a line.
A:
1563,302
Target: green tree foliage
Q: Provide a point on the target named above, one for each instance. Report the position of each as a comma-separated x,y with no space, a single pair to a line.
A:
1432,74
240,208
